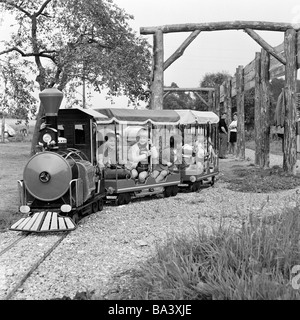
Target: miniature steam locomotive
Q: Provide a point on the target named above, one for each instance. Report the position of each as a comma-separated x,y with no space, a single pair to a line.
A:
88,157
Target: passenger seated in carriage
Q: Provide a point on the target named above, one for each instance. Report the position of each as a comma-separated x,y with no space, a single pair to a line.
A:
108,161
211,156
140,155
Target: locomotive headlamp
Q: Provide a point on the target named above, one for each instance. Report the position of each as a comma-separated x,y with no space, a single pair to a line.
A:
47,138
24,209
193,178
65,208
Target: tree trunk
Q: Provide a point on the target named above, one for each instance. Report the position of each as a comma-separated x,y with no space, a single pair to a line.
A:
3,128
240,114
157,86
290,147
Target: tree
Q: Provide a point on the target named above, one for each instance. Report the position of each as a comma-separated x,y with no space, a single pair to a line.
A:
76,41
16,97
210,80
178,100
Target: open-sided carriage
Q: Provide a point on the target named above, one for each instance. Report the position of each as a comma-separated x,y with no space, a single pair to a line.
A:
124,125
200,148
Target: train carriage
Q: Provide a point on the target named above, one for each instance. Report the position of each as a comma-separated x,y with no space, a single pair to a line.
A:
200,148
125,124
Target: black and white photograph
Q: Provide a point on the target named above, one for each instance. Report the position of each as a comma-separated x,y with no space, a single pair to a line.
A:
149,153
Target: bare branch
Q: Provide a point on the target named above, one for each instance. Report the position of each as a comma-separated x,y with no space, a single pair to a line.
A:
14,5
44,5
31,54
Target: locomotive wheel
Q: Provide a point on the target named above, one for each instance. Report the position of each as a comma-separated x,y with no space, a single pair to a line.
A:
174,191
75,217
100,204
168,192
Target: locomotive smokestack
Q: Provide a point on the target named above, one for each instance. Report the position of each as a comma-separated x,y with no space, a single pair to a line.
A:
51,99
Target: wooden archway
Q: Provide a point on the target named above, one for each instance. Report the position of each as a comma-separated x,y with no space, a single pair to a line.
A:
289,59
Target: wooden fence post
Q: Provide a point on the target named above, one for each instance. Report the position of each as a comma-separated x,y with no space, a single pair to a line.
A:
216,108
227,100
211,100
157,86
257,110
240,113
290,147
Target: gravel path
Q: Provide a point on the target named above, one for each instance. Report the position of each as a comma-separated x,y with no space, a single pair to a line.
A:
100,254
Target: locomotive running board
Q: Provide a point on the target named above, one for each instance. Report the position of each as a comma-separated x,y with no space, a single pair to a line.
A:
44,221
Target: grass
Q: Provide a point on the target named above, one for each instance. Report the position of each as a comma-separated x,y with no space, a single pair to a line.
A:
14,157
251,263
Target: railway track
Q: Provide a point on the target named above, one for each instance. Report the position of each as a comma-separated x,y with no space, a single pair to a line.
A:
18,278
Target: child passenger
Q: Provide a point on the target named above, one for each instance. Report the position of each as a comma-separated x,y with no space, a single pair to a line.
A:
140,155
171,159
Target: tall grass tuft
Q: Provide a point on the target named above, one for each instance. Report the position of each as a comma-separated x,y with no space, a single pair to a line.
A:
252,262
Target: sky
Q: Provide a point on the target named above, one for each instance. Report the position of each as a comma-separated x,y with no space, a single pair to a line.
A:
213,51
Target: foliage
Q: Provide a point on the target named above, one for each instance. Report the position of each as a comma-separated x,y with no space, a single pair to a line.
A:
17,98
76,41
178,100
210,80
251,262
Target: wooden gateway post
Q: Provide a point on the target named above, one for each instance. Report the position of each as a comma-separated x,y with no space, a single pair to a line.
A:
289,63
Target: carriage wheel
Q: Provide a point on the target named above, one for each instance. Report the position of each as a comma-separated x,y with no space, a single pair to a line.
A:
100,205
167,192
127,198
174,190
212,181
94,207
120,199
194,187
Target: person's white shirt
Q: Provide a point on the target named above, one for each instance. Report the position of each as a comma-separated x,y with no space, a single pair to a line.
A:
233,126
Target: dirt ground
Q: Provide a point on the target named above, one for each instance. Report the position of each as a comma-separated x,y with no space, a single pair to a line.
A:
244,176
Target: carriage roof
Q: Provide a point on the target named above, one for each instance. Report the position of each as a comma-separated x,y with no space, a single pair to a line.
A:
139,116
188,116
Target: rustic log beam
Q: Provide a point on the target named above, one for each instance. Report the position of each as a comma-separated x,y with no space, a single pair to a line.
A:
188,89
257,104
202,99
179,52
166,94
265,45
222,25
290,146
264,125
240,113
157,86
